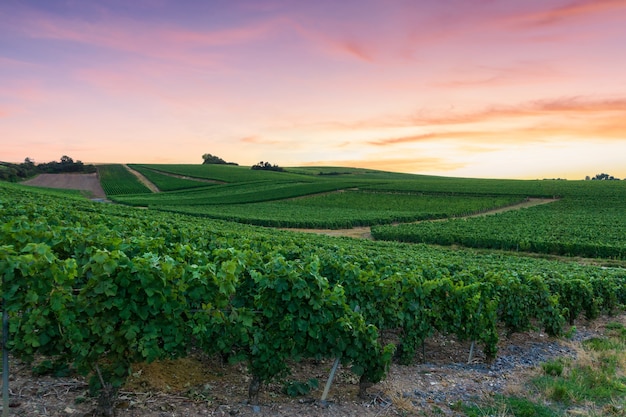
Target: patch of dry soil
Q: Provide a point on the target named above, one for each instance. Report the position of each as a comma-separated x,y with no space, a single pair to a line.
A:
89,183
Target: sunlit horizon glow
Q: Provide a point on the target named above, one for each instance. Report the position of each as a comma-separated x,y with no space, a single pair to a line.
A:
496,89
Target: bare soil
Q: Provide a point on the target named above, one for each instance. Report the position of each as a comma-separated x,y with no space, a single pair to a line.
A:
89,183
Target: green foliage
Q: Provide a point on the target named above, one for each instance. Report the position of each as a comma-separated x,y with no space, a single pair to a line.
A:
266,166
117,180
212,159
168,182
553,368
225,173
603,343
582,225
298,388
597,378
510,406
100,286
18,172
318,206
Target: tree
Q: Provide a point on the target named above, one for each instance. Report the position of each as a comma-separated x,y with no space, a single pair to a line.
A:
266,166
603,176
212,159
66,160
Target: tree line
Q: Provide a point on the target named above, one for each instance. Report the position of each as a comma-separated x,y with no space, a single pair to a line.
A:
209,159
17,172
602,177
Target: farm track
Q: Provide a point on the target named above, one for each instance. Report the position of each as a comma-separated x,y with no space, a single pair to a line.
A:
143,179
365,232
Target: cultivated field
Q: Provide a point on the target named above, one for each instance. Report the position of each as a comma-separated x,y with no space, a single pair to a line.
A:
96,290
90,183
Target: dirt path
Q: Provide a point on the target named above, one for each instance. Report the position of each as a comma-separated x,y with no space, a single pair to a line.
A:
366,231
145,181
89,183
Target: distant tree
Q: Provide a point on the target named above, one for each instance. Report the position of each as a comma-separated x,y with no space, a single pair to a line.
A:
66,164
18,172
212,159
604,177
66,160
266,166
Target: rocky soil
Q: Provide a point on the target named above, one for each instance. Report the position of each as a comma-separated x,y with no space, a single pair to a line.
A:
198,386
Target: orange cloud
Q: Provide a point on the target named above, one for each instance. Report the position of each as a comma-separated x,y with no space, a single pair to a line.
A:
393,164
536,121
258,140
555,108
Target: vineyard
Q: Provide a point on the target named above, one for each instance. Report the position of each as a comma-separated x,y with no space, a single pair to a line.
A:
117,180
347,209
324,198
590,226
167,182
100,287
585,221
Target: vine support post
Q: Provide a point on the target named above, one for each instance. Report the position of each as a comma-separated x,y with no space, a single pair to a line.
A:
471,353
5,361
329,382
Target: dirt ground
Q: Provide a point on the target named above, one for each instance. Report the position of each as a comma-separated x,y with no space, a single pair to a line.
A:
89,183
198,386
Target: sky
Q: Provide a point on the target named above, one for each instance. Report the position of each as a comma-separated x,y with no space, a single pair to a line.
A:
466,88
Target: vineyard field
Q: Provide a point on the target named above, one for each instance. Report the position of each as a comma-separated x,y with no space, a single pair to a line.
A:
167,182
102,286
117,180
585,221
573,226
223,173
347,209
236,193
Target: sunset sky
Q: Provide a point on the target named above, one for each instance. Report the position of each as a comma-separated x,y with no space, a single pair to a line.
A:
472,88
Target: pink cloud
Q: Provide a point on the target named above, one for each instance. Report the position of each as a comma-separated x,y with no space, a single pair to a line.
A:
570,11
27,91
490,76
355,49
